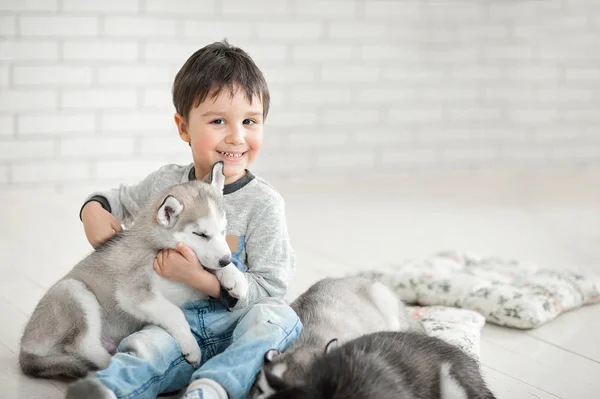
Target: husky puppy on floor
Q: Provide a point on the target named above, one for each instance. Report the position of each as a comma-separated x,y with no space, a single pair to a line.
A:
333,310
394,365
115,291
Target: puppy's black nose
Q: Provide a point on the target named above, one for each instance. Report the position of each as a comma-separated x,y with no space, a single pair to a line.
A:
224,261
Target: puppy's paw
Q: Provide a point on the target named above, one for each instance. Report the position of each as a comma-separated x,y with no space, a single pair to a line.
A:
191,351
233,280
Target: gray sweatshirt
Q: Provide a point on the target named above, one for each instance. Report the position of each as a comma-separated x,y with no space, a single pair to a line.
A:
256,227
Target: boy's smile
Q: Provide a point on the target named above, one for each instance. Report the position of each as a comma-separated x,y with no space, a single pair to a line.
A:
225,127
233,157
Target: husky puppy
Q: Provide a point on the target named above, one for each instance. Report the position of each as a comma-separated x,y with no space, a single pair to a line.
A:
114,291
333,310
398,365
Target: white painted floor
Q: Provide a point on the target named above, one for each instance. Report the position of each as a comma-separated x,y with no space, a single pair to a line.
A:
551,217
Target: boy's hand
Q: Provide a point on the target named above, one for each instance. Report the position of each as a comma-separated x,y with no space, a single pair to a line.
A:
179,264
99,224
182,265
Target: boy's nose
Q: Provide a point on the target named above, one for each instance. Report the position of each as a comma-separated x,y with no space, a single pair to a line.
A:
235,136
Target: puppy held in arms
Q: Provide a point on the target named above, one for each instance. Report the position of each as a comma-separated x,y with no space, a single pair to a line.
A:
115,291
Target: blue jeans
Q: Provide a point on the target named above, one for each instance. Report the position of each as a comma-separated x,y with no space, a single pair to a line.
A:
233,343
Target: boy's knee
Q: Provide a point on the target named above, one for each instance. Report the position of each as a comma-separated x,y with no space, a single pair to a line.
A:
277,312
150,343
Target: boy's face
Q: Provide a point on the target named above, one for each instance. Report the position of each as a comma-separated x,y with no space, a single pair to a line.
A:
224,128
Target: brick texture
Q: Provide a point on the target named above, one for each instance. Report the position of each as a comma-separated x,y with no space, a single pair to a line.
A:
357,85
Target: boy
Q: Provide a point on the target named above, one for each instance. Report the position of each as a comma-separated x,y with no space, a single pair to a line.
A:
221,100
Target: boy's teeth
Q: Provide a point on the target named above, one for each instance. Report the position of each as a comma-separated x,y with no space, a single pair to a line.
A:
231,155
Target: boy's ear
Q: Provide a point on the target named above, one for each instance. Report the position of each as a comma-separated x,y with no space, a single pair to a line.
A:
182,127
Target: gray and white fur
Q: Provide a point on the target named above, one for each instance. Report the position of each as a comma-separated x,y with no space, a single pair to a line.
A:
115,291
333,309
399,365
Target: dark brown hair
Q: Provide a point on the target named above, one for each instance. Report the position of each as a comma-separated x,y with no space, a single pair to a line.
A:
214,67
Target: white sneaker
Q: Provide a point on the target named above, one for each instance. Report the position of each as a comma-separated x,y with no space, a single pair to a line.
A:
205,389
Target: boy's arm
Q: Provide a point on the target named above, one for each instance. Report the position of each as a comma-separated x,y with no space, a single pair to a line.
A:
181,264
270,257
125,201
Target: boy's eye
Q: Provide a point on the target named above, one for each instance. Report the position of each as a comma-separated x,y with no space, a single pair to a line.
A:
218,121
248,122
202,235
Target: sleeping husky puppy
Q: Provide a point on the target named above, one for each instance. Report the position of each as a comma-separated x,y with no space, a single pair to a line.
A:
333,310
383,365
114,291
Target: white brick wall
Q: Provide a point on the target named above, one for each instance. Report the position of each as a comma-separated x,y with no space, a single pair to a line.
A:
62,26
56,124
357,85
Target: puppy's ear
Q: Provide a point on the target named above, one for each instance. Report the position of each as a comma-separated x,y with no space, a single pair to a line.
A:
217,178
270,355
168,212
331,345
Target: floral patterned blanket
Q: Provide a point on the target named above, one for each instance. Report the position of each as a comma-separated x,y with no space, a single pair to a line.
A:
458,327
506,292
